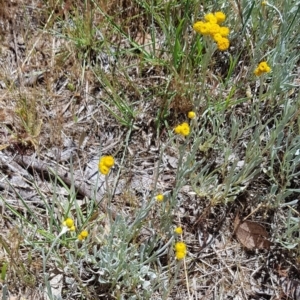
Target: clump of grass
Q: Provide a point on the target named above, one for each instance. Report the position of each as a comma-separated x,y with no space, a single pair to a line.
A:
26,127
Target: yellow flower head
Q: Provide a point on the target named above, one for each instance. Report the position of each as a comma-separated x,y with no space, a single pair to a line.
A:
197,26
177,129
180,255
108,161
223,44
263,67
217,37
224,31
191,115
214,28
183,129
83,235
105,163
69,223
220,17
211,18
257,72
159,197
178,230
202,27
180,246
103,169
180,250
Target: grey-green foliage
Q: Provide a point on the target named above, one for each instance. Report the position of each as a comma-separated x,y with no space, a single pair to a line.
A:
272,31
282,149
243,150
289,237
284,174
285,55
227,165
121,265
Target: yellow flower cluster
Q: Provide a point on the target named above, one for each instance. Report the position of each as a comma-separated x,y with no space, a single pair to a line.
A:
183,129
212,28
69,226
180,250
178,230
159,197
191,115
82,235
69,223
105,163
262,68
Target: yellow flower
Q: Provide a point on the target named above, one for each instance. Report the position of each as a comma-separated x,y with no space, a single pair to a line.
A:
263,67
105,163
108,161
69,223
178,230
180,247
223,44
191,115
220,17
180,250
183,129
224,31
257,72
211,18
83,235
103,169
214,28
197,26
177,129
264,3
159,197
217,37
202,27
180,255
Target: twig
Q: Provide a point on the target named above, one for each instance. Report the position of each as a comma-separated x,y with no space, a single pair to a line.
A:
45,168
